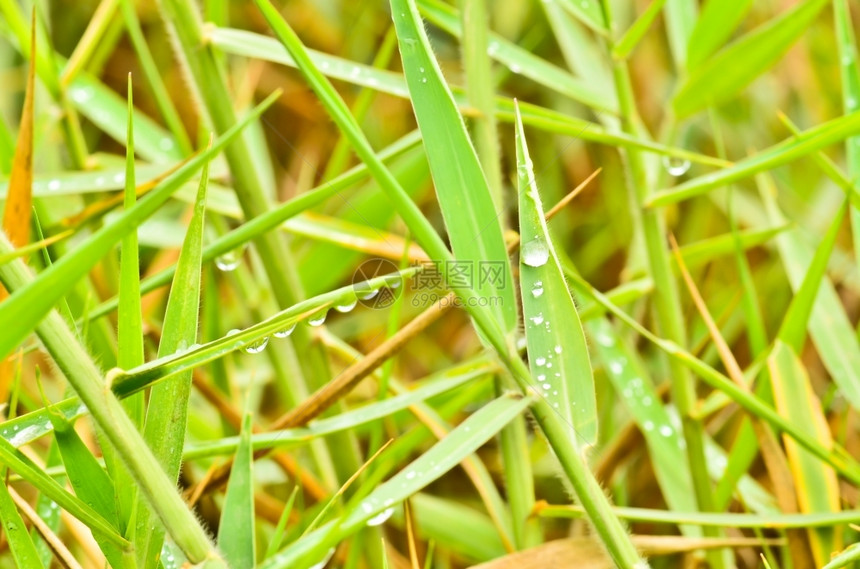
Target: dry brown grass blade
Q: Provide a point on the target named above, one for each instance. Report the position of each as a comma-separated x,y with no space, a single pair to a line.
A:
19,199
410,535
588,553
774,459
61,553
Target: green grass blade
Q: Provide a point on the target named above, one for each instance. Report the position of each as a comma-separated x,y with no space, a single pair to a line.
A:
129,332
850,74
166,417
18,462
558,355
793,329
15,531
479,91
829,327
236,536
817,485
734,67
803,144
630,379
89,481
680,18
844,558
625,46
717,21
441,458
27,306
521,60
461,187
589,12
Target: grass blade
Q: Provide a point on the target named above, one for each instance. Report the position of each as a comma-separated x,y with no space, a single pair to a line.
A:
817,485
464,196
558,355
236,536
721,77
20,544
26,307
166,417
715,25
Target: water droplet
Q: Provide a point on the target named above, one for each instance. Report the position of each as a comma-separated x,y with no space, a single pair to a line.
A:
355,72
536,292
540,361
410,475
666,431
370,294
492,48
119,178
258,346
616,367
648,425
54,185
646,401
346,306
283,333
233,332
100,181
535,253
421,69
318,318
537,320
605,340
515,68
381,517
166,144
423,79
324,64
394,282
12,526
229,261
676,166
546,386
848,58
541,377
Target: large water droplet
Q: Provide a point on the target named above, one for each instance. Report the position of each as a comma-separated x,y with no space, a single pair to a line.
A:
676,166
318,318
380,518
285,331
229,261
369,294
258,346
347,306
535,253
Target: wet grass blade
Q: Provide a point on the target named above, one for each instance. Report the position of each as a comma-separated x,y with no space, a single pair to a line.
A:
722,77
441,458
166,417
817,485
628,41
236,535
803,144
15,531
27,306
461,187
558,355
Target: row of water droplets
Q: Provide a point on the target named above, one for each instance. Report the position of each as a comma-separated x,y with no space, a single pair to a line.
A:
635,389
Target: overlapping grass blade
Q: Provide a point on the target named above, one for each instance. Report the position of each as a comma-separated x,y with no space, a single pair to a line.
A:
558,355
166,416
720,78
630,379
15,530
803,144
624,46
465,199
442,457
27,306
829,327
817,484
